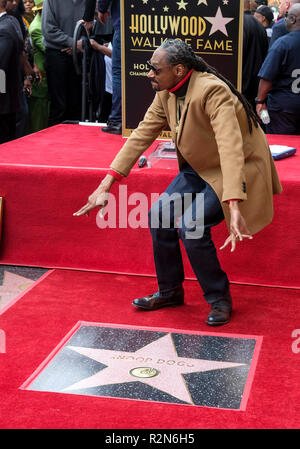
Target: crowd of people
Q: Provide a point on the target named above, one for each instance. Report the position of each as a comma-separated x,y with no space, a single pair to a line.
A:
41,87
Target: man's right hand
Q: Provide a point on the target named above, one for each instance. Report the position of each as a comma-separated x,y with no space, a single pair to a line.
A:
98,198
260,107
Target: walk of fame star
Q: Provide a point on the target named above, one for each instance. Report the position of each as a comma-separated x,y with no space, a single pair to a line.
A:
12,285
218,22
15,280
154,365
159,355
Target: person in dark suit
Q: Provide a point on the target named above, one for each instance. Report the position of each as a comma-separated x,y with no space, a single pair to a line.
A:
255,49
11,48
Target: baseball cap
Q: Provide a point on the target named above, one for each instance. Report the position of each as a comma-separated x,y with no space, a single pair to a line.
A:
266,12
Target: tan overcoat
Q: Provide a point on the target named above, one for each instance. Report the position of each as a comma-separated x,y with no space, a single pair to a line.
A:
214,138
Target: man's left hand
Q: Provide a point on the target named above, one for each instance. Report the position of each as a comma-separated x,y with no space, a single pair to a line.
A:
238,227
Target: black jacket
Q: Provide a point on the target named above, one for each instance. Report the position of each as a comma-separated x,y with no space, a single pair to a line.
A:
11,47
255,49
89,13
279,29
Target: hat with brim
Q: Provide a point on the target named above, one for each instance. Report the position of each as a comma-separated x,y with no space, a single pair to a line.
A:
38,5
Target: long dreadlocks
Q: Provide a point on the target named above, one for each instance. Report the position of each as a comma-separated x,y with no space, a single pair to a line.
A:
178,52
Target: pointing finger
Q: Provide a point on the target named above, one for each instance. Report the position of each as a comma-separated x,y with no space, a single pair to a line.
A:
85,209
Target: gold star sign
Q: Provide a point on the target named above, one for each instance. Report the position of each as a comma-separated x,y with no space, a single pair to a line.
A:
202,1
182,4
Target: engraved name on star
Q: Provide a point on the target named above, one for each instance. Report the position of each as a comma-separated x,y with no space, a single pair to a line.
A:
159,359
219,23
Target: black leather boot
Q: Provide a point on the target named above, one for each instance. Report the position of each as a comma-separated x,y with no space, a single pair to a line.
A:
220,311
174,297
112,128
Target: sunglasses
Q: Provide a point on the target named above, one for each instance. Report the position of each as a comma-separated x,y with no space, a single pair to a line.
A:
157,71
154,69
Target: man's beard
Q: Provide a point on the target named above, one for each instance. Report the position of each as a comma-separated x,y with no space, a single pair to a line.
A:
155,86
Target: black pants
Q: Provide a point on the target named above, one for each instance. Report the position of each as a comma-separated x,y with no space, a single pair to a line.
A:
283,123
64,87
22,117
187,211
7,127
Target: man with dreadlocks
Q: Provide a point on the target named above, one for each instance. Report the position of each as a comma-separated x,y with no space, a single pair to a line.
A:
222,154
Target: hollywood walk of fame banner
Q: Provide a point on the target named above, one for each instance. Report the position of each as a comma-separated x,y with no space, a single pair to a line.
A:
213,28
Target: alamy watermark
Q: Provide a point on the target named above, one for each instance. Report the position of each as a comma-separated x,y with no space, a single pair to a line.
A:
2,82
182,211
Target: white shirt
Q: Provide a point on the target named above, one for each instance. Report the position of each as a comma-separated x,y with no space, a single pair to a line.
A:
108,78
2,13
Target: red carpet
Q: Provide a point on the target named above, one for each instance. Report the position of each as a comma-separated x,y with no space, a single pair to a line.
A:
47,176
39,321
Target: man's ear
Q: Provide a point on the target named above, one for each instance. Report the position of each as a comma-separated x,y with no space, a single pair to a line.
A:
181,70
